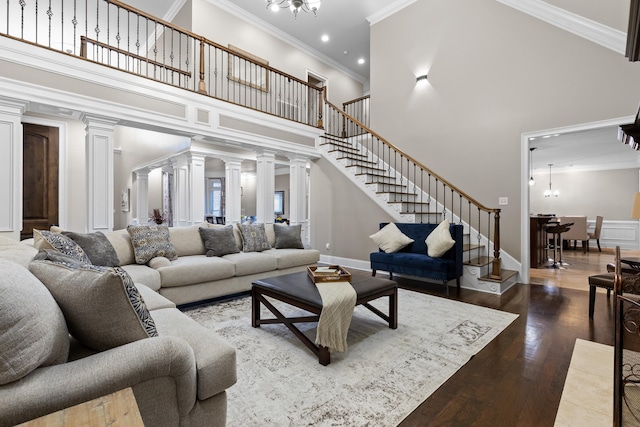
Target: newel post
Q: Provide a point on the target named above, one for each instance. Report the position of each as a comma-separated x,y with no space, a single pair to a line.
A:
320,107
495,267
202,86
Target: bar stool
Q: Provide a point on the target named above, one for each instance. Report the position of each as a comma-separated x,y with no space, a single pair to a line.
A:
556,230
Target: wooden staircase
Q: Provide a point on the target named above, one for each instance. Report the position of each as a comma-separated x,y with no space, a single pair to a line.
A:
404,201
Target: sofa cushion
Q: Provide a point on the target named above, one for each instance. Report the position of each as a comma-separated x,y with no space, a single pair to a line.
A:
390,239
153,300
215,357
294,257
33,331
252,262
144,274
97,247
121,242
254,238
150,241
44,239
439,241
219,241
187,240
414,264
102,306
271,234
288,236
15,251
196,269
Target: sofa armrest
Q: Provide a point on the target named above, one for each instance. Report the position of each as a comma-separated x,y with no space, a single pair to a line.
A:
52,388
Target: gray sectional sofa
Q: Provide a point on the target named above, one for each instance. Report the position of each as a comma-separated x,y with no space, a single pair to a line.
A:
195,277
179,373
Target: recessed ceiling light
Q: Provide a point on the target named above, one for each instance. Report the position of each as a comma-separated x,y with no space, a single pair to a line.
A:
324,38
274,8
346,52
361,61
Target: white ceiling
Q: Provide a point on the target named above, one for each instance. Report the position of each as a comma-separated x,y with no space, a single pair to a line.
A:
597,149
344,21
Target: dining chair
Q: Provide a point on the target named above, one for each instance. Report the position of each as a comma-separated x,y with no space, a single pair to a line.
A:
596,233
578,231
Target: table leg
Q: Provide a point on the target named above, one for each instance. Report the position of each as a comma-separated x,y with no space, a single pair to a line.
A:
324,357
393,309
255,309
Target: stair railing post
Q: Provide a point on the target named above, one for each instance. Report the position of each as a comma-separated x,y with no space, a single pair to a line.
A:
202,87
495,267
320,106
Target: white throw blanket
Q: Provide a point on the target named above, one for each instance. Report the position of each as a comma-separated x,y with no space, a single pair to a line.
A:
338,302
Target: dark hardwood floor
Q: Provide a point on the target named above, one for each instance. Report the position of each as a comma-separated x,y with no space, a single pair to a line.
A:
517,379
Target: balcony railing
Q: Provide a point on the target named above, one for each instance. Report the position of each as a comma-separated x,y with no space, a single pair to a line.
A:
116,35
422,191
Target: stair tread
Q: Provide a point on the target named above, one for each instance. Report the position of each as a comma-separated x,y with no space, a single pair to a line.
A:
504,276
471,246
480,261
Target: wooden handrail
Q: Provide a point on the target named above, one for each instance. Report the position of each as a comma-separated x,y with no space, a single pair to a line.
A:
83,52
353,101
462,193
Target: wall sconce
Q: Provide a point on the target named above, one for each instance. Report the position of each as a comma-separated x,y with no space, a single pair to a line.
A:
421,79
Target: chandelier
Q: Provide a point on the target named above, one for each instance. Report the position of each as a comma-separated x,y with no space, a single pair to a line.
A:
295,5
549,193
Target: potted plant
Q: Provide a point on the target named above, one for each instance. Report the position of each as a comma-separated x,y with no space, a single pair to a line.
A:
158,217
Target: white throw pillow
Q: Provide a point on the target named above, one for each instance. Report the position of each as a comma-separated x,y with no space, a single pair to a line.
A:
439,241
390,239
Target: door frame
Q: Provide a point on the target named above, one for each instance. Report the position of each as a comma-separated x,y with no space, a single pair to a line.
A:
524,180
62,163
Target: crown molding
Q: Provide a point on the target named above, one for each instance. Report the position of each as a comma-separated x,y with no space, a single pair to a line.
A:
173,10
238,12
583,27
389,10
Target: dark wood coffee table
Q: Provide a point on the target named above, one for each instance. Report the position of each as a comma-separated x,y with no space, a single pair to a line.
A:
298,289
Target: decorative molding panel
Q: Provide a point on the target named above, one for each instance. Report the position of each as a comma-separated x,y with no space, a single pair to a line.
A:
586,28
392,8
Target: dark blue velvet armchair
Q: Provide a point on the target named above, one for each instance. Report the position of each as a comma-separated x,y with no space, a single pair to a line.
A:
413,260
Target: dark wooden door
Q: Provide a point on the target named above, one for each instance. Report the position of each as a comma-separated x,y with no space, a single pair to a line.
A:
40,178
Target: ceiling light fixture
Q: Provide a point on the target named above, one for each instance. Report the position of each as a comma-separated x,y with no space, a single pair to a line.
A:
295,5
532,181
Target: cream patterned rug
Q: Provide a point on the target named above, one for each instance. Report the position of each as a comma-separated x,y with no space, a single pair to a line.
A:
382,378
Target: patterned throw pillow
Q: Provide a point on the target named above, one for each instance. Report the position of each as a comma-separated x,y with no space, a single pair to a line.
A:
254,238
43,239
102,306
219,241
150,241
288,236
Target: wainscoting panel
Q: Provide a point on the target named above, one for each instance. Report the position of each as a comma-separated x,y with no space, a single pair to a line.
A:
625,234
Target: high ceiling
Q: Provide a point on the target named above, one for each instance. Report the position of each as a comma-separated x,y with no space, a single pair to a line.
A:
343,21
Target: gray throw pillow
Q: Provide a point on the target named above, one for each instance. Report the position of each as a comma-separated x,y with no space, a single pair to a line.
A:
219,241
288,236
33,331
254,238
150,241
97,247
102,306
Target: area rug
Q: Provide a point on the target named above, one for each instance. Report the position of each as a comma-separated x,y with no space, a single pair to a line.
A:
384,375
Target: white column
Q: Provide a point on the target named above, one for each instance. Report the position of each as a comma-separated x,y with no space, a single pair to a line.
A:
265,186
197,180
298,189
99,161
182,195
142,196
11,111
233,183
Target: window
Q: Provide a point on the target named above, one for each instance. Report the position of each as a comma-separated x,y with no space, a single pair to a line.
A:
278,203
215,196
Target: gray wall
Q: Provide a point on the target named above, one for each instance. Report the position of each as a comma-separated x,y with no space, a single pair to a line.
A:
494,73
607,193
